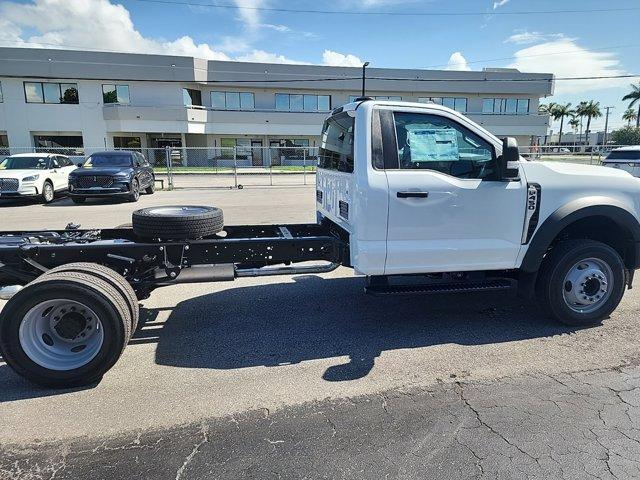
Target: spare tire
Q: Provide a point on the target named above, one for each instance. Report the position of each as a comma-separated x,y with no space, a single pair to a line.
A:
182,222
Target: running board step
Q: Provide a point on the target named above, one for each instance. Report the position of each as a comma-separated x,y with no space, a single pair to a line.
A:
460,287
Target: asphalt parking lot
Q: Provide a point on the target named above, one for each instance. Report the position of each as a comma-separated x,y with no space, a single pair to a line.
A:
306,377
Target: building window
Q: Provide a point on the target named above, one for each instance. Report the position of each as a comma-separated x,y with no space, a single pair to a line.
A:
458,104
45,92
62,144
505,106
290,102
395,98
191,97
115,93
233,100
128,143
523,106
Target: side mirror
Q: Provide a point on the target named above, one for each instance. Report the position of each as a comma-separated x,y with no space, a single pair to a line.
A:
508,161
79,164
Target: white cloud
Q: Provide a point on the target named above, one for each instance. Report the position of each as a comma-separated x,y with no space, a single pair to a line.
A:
565,58
499,3
260,56
336,59
457,62
249,15
101,25
523,37
92,25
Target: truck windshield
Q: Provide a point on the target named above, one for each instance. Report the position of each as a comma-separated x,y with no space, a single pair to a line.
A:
102,160
24,163
624,155
336,147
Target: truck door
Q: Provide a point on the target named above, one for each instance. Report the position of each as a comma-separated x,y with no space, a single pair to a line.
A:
448,209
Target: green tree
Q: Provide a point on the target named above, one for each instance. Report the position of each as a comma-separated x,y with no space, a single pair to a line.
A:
558,113
634,96
590,110
629,116
574,123
546,108
626,136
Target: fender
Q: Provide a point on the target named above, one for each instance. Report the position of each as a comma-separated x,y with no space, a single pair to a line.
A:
576,210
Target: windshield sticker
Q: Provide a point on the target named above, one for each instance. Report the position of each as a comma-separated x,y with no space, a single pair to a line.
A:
433,145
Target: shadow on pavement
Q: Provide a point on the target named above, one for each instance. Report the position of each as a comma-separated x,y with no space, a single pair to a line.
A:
315,318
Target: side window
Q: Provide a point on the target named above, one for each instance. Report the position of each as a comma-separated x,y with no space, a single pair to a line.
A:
336,144
55,163
64,162
431,142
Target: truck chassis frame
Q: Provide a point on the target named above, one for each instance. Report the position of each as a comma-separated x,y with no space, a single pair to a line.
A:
240,251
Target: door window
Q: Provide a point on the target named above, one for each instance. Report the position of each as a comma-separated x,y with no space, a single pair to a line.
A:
431,142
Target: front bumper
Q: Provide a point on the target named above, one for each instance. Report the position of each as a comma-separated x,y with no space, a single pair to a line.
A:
23,191
116,189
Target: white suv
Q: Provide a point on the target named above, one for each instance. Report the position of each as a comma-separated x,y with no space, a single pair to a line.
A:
35,175
625,158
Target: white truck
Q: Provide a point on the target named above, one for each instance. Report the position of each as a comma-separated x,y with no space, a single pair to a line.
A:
417,198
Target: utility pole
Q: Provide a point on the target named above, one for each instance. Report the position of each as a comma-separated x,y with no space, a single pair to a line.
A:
606,125
364,66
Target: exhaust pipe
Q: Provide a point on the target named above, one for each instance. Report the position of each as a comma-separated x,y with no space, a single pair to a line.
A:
9,291
268,271
223,272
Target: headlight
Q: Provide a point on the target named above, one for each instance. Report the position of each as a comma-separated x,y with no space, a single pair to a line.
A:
31,178
122,175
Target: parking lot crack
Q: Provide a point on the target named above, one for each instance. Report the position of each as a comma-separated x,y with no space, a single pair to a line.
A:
204,431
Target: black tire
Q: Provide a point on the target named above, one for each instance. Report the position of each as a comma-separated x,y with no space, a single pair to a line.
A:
177,222
107,303
78,200
151,189
551,285
48,193
113,278
134,196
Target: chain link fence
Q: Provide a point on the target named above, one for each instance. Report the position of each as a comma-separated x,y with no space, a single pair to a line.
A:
236,167
216,167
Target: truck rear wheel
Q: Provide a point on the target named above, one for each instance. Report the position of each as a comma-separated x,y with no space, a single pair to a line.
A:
64,329
184,222
581,282
113,278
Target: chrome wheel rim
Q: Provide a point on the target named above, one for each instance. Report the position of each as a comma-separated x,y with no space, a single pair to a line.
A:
587,285
61,334
136,190
48,192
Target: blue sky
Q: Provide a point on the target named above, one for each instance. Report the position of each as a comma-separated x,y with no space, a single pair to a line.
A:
567,44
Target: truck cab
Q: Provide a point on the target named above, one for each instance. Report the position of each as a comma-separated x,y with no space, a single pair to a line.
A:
421,189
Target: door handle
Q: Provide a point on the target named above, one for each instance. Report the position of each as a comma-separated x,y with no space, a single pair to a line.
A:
412,194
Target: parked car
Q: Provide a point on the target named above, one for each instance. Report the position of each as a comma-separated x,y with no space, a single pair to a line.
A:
117,174
35,175
624,158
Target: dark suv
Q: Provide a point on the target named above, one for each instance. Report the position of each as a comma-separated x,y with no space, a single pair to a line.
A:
116,173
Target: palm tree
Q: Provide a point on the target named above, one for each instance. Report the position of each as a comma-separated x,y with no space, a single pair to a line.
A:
590,110
574,123
580,114
546,107
629,116
634,96
558,113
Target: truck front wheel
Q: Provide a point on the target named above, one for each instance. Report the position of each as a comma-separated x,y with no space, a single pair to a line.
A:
581,282
64,329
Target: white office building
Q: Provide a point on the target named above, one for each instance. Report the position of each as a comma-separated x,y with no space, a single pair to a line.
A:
80,100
